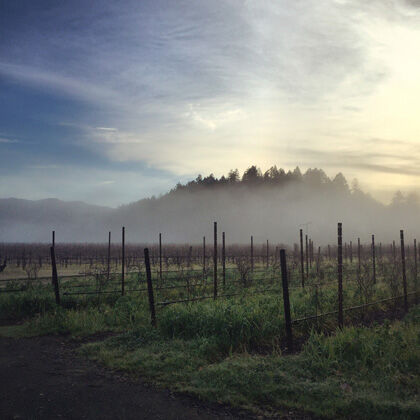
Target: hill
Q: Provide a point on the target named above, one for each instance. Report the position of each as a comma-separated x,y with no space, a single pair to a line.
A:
273,206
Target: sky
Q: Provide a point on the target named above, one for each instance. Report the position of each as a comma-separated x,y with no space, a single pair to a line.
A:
109,102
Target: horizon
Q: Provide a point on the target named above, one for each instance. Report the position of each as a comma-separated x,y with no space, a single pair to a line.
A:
240,180
108,108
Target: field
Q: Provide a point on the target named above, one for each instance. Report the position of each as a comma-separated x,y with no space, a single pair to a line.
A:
220,330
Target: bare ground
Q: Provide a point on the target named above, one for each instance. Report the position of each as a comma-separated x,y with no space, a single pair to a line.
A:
43,378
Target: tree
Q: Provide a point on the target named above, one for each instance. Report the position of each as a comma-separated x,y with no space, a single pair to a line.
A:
252,175
233,176
315,177
340,183
398,199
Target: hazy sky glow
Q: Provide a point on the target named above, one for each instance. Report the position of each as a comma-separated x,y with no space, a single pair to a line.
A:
108,102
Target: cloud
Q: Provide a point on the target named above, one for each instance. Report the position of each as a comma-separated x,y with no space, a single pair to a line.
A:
405,162
106,129
52,166
54,82
206,86
6,140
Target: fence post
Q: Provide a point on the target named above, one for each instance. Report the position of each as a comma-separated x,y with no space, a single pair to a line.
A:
307,257
404,275
252,253
204,258
215,262
340,275
150,287
123,261
160,257
224,259
415,270
318,260
54,276
286,300
108,259
373,259
310,253
268,250
53,238
302,269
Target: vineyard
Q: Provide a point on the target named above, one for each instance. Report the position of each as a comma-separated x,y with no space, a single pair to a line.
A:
209,302
340,282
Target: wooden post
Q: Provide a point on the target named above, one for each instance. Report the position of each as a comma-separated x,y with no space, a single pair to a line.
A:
351,252
108,259
223,260
252,253
373,260
123,261
54,276
302,269
215,262
286,301
150,287
404,274
340,275
160,258
53,238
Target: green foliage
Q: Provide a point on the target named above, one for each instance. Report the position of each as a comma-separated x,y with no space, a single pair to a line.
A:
234,324
366,373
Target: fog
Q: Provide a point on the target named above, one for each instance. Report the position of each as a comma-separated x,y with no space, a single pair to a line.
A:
274,213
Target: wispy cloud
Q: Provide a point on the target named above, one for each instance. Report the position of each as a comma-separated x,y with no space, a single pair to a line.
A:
106,129
206,86
6,140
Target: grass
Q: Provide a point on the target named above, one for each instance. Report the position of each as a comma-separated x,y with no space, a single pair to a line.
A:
370,373
229,350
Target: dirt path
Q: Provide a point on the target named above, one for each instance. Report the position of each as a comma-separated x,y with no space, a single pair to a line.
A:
42,378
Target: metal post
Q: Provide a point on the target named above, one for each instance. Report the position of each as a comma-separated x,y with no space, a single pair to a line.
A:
108,259
267,255
340,275
224,259
215,262
252,253
160,258
373,259
204,257
150,287
122,260
302,269
404,274
307,257
54,276
286,301
415,269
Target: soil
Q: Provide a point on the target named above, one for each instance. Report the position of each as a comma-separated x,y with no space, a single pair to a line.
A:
44,378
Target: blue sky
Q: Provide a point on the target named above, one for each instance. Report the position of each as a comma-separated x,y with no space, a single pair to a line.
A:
109,102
